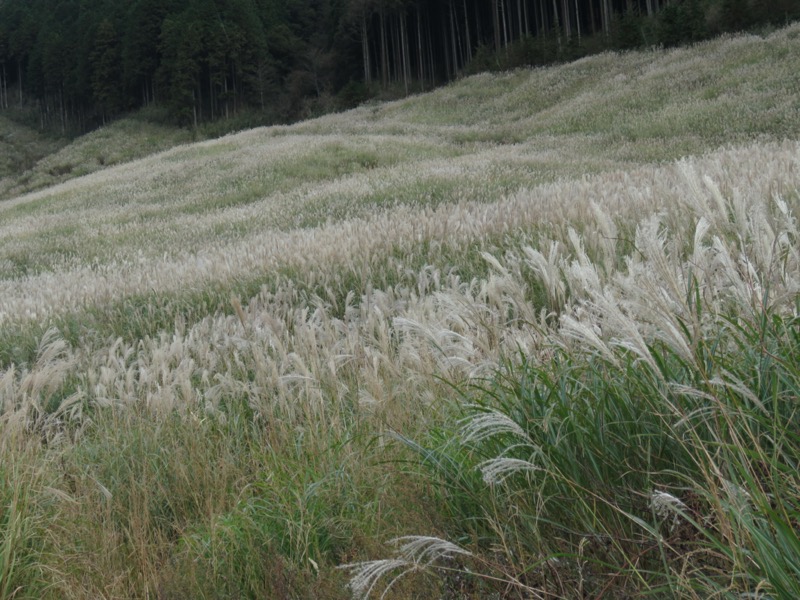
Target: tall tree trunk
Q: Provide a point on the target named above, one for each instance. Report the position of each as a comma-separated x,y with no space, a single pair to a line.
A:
526,17
365,49
421,54
61,110
603,23
237,86
398,37
505,22
446,43
4,89
557,24
19,80
567,26
478,21
261,85
469,37
453,39
211,96
409,50
543,17
431,61
394,36
578,21
384,52
225,94
592,17
496,23
404,49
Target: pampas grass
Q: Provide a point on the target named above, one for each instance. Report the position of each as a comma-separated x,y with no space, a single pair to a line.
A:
563,363
677,371
414,553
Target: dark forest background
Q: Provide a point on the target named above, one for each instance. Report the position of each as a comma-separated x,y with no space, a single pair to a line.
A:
70,65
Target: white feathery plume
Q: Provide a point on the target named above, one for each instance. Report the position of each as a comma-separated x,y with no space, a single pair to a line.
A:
485,425
698,250
497,470
608,231
585,334
425,550
367,574
549,271
413,553
665,506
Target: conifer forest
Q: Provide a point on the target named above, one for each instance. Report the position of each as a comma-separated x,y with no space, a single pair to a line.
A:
74,65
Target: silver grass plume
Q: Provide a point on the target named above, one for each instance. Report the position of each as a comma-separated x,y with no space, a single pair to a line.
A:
489,424
496,470
665,506
413,553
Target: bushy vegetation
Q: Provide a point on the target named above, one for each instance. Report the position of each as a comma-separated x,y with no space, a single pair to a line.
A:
651,445
532,335
21,148
57,160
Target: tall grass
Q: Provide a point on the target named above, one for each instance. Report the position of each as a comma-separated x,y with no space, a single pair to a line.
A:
651,444
546,359
25,511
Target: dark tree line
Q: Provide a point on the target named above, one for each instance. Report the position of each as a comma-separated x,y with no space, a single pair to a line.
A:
78,63
425,42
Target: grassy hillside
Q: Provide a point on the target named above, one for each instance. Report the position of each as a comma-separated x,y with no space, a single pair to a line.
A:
546,322
33,162
21,148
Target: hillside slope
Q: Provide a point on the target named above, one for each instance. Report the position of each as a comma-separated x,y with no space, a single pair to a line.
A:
20,149
478,140
543,322
662,97
34,163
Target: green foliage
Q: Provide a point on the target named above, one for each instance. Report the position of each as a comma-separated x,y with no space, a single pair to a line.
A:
140,48
20,148
294,511
106,75
630,31
575,452
21,541
181,46
682,23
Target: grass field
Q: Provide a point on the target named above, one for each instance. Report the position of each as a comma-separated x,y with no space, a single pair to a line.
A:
531,335
20,149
